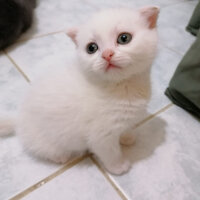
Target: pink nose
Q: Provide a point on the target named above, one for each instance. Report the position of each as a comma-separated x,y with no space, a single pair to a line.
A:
107,54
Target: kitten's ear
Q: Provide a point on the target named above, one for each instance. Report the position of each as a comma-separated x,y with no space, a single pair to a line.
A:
72,33
151,15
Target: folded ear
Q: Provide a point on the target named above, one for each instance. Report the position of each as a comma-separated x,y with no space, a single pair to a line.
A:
72,33
151,15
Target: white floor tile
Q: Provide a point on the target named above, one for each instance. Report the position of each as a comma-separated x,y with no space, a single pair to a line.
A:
52,16
19,170
163,68
166,159
84,182
39,55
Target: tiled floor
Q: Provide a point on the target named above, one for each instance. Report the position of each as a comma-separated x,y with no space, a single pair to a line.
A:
166,156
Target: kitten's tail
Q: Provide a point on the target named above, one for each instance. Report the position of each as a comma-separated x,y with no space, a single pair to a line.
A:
7,127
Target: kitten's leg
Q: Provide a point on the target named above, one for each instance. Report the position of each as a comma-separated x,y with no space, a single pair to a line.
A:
127,139
108,150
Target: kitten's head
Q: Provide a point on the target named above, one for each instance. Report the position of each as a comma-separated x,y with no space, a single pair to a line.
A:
117,43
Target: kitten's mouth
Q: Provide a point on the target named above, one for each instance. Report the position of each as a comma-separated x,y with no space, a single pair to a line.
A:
111,66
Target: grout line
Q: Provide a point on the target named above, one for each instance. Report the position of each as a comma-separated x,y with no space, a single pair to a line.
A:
17,67
153,115
117,189
49,178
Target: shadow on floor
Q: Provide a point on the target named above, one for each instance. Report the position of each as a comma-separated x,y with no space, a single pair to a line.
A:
149,137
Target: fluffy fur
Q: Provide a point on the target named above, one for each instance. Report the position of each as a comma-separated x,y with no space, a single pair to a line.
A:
86,107
6,127
15,18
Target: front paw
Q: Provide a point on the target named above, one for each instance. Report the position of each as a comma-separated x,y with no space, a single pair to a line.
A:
119,168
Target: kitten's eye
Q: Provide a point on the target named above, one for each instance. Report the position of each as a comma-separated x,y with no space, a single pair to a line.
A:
124,38
92,48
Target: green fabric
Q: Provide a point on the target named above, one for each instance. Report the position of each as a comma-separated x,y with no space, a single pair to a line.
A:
194,24
184,87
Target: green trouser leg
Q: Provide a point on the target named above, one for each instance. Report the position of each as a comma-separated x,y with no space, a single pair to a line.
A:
194,24
184,87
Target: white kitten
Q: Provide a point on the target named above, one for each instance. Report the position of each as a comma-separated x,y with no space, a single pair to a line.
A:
93,104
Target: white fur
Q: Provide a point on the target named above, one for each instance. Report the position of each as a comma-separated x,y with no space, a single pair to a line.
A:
6,127
85,108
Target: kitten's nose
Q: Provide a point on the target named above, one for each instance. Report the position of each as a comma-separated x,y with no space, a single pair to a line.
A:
107,54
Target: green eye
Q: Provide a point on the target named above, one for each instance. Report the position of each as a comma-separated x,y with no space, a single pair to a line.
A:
92,48
124,38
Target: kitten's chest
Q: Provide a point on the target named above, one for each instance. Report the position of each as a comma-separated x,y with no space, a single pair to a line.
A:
125,110
126,101
121,105
120,115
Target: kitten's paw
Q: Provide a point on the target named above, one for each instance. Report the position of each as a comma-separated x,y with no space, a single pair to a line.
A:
127,139
119,168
